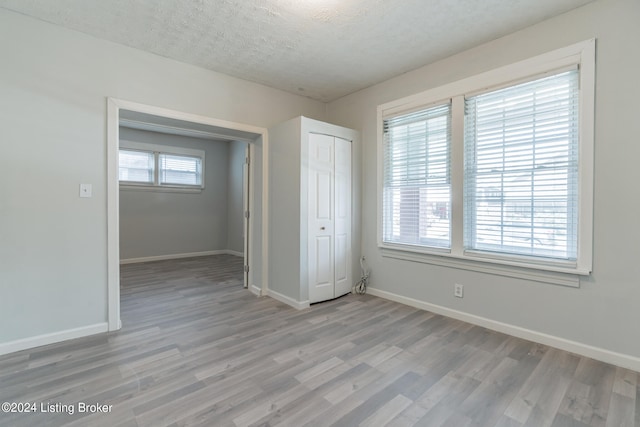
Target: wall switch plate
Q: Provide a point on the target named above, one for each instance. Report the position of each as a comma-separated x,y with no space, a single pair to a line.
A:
85,190
458,290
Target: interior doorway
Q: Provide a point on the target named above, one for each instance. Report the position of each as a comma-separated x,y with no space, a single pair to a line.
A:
254,200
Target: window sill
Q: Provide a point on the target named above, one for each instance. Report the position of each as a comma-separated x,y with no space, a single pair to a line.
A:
487,265
161,189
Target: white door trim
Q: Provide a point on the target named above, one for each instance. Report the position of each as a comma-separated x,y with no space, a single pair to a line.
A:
114,106
246,223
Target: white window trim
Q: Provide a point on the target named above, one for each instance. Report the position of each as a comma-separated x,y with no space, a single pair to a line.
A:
582,54
163,149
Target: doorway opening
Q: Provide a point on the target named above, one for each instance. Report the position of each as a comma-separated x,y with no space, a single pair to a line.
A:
252,141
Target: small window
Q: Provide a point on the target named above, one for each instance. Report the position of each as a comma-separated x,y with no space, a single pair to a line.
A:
180,170
136,166
157,166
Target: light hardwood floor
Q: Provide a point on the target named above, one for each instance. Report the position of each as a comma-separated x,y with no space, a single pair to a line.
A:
198,349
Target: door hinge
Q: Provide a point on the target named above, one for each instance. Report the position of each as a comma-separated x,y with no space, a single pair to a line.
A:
246,268
246,160
246,214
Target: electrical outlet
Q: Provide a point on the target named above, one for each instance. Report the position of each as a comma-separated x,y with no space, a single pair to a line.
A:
458,290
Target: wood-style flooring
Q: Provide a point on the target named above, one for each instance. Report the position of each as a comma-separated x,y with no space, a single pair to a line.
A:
196,349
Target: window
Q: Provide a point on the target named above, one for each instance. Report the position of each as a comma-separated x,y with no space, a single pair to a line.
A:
136,166
521,169
496,168
417,182
155,166
180,170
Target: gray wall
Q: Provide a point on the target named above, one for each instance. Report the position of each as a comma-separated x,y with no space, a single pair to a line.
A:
53,84
155,223
285,275
605,311
235,218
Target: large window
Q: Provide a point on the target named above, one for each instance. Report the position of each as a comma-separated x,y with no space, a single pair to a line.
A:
495,168
417,182
156,166
521,169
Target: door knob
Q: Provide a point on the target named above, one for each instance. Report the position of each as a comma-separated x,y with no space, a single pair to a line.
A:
321,228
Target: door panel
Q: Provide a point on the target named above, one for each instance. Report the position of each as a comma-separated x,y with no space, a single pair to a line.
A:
341,259
323,195
321,245
323,257
342,173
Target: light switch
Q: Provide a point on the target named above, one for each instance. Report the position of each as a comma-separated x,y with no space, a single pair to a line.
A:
85,190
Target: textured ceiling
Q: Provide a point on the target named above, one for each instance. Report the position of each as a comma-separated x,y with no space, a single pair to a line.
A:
323,49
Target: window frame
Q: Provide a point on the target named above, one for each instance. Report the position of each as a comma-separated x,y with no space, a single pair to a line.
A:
562,272
158,150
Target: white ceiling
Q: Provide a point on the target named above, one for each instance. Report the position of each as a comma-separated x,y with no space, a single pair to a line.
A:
323,49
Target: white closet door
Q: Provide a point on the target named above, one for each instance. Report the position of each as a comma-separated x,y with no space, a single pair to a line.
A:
321,218
342,213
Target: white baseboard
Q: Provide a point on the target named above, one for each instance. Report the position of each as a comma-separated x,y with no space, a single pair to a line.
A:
255,290
298,305
173,256
235,253
603,355
54,337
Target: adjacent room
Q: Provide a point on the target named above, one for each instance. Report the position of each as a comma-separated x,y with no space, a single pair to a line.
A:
196,207
319,213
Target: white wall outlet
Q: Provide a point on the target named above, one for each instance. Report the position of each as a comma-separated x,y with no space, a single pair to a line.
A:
85,190
458,290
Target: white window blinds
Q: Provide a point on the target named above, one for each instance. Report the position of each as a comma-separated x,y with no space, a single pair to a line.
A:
136,166
521,169
180,170
152,166
417,184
